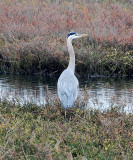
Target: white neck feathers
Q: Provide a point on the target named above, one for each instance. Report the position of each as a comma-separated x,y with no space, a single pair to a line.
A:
71,55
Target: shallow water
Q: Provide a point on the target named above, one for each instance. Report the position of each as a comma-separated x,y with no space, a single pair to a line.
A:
98,93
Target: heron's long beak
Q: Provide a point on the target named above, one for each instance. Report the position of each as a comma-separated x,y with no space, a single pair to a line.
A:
84,35
81,35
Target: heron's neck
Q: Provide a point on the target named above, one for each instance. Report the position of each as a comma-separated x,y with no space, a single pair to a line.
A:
71,55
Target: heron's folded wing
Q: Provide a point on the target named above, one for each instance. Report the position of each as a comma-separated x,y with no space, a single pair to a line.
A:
68,90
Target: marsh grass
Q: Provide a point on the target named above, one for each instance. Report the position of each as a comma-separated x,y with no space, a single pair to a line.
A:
33,36
32,132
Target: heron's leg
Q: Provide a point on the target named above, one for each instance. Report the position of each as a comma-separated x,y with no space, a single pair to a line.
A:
65,114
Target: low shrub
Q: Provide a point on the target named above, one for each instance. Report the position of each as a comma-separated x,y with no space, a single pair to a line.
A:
32,33
31,132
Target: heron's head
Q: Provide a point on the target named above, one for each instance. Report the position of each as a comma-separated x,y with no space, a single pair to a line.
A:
74,35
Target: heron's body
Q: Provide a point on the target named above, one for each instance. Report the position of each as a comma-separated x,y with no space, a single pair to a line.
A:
68,83
67,88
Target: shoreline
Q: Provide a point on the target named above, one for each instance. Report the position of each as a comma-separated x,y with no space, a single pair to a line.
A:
96,65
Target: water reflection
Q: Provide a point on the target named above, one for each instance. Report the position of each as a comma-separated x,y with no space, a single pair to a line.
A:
104,93
101,93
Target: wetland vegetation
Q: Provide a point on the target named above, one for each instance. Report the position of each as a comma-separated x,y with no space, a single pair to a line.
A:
38,132
33,41
33,36
32,132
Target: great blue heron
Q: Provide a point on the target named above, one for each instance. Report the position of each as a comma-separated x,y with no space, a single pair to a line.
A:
68,83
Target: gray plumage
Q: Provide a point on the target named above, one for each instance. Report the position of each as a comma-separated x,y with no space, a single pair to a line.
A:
68,84
68,88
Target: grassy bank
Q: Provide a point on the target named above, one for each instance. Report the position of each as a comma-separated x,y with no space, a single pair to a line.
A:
33,36
30,132
104,60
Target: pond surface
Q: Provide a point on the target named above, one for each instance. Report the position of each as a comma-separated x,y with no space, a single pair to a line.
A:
98,93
